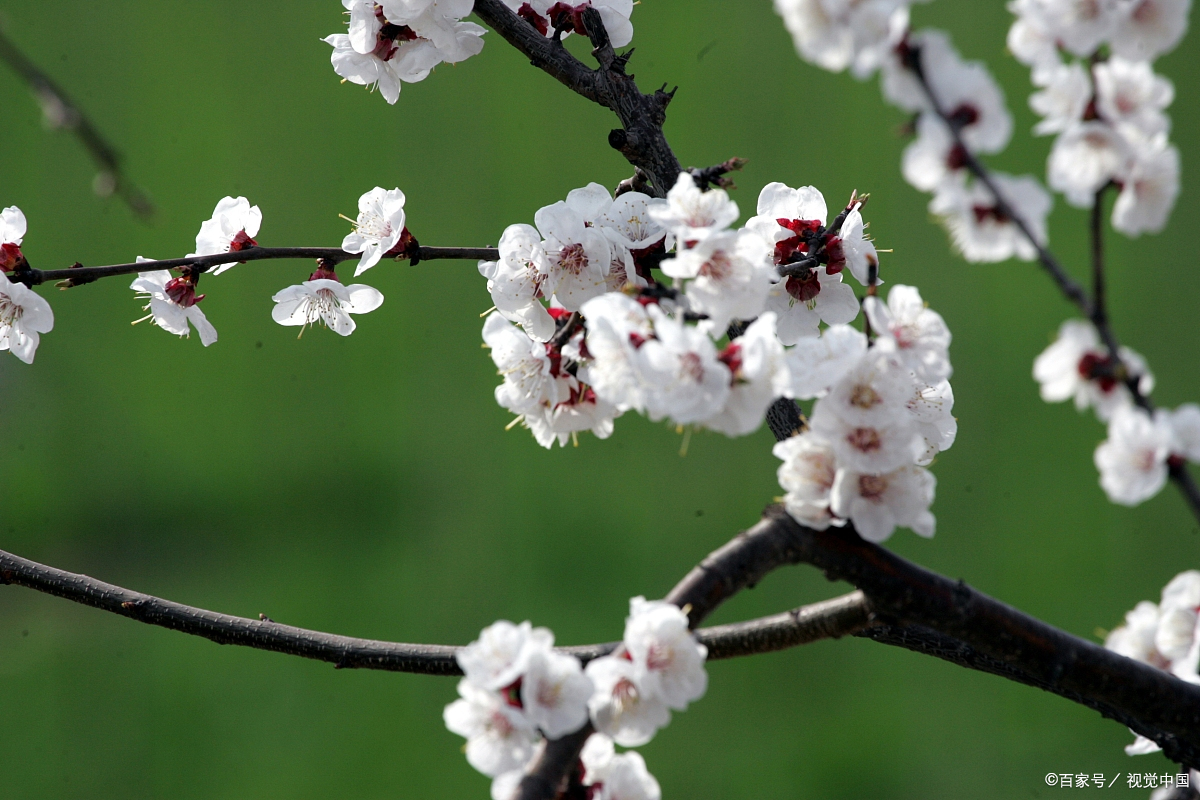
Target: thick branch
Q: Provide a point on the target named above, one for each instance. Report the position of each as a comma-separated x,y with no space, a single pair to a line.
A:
640,138
61,112
80,275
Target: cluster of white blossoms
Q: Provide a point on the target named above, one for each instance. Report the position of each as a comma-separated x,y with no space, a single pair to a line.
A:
1106,107
871,35
1135,460
517,692
739,327
1165,636
401,41
24,315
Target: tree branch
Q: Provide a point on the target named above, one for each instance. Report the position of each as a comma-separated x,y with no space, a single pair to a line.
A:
61,112
80,274
640,137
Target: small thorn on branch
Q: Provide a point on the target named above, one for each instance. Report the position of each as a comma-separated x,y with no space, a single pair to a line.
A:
715,176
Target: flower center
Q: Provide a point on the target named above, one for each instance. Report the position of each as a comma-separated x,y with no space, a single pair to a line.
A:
872,487
660,656
691,367
573,259
718,267
864,440
864,396
10,312
625,695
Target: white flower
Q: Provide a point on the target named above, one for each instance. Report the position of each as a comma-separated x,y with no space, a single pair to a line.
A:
1077,366
555,693
626,778
379,227
978,228
504,785
1148,191
804,210
760,374
620,707
627,222
515,281
583,410
1063,100
1133,460
1129,93
385,67
690,214
824,361
900,86
932,408
877,504
323,298
12,232
24,316
1028,43
802,302
499,737
968,94
728,276
1080,26
857,250
231,229
533,383
932,156
1084,159
173,303
578,256
501,654
916,333
686,380
836,34
1148,28
1135,639
665,653
1185,422
807,474
617,328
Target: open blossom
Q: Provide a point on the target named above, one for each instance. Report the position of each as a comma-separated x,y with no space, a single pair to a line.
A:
970,96
760,374
1133,460
1148,190
617,329
823,362
727,277
578,255
687,382
409,61
1084,159
878,504
231,229
1077,366
379,227
554,692
583,410
545,15
501,653
499,737
803,302
515,281
627,222
836,34
12,232
932,156
665,652
24,316
533,382
1148,28
1129,93
616,776
172,303
621,706
1063,100
785,214
807,473
980,229
932,408
690,214
323,298
917,334
1079,27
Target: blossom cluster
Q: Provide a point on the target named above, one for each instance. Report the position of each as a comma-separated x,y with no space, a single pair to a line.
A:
583,332
172,300
1106,106
1165,636
1135,460
960,112
401,41
518,691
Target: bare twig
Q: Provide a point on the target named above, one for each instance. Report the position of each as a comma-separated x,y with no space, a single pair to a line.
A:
1099,301
640,137
61,112
80,275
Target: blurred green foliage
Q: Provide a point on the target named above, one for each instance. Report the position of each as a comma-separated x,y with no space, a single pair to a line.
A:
367,486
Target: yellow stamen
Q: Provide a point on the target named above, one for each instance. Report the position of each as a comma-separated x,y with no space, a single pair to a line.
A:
513,424
490,310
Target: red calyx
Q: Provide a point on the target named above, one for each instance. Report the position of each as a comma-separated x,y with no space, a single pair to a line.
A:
324,274
637,340
405,246
11,257
648,258
794,247
182,291
569,17
731,357
512,694
577,397
1098,368
803,287
555,356
985,213
964,115
535,19
558,313
835,253
241,241
956,159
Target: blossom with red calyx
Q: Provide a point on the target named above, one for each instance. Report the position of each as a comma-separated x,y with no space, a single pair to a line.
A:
618,328
878,503
685,381
1077,366
609,775
12,232
726,277
323,298
689,214
516,281
231,229
807,474
24,316
379,229
1133,460
760,374
980,230
172,301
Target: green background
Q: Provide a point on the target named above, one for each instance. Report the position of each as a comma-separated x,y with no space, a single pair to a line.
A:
367,486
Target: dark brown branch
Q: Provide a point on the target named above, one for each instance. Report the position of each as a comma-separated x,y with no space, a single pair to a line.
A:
840,616
640,137
61,112
80,275
1099,298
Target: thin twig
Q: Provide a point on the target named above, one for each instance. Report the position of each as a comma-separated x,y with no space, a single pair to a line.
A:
61,112
79,275
1099,307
